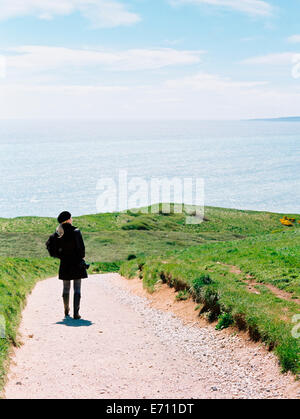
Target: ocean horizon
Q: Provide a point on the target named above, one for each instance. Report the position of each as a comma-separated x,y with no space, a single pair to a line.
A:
52,165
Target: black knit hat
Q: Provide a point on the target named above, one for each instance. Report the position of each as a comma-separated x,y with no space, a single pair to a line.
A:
64,216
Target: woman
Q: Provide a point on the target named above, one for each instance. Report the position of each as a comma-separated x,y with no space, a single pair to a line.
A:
71,251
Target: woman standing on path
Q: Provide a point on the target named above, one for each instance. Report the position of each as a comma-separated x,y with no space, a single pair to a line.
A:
71,252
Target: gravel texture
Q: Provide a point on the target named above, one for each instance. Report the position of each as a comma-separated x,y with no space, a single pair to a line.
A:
123,348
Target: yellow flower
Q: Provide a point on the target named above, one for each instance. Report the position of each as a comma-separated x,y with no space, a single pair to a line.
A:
285,222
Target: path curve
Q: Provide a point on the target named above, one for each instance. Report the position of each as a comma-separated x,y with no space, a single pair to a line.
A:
123,348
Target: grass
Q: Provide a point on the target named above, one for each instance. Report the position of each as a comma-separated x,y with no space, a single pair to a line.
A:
113,236
182,295
17,279
105,246
192,258
218,220
205,272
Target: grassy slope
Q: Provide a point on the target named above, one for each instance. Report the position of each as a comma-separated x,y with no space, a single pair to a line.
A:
245,238
17,278
271,259
220,220
111,237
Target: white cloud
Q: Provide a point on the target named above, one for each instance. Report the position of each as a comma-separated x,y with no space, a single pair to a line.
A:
294,39
102,13
283,58
204,81
201,96
235,100
251,7
35,59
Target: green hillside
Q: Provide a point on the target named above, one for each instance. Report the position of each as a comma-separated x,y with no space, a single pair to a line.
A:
253,284
228,264
114,236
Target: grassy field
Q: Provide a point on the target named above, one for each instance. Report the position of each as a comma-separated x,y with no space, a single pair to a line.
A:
196,259
114,236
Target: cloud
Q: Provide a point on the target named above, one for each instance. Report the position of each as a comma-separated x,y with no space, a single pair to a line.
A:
294,39
251,7
204,81
235,100
102,13
283,58
34,59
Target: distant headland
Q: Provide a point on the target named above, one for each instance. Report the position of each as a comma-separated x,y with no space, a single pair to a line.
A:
282,119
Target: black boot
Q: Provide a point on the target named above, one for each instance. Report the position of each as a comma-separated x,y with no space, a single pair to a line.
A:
77,298
66,298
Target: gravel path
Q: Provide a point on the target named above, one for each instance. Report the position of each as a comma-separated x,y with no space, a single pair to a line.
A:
125,349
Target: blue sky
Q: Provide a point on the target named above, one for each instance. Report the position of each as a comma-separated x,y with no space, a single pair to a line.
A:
144,59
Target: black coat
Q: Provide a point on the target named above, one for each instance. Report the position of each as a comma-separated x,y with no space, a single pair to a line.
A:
71,251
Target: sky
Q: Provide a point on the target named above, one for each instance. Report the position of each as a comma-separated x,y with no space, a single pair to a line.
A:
149,59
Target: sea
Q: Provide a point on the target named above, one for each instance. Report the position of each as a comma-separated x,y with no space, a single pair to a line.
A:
48,166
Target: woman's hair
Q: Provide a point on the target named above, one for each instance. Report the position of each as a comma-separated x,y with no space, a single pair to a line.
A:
60,229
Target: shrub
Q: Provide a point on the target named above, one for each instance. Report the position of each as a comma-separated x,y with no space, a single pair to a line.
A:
225,320
286,222
131,257
101,267
182,295
198,284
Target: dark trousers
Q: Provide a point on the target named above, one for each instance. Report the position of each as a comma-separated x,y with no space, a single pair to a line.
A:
77,296
76,286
